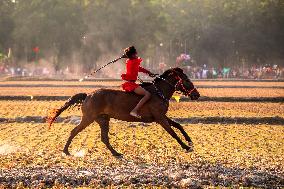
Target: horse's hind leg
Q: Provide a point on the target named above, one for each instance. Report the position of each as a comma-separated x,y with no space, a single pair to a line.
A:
103,121
85,121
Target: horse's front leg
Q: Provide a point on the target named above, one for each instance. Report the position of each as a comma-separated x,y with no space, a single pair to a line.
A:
179,127
166,125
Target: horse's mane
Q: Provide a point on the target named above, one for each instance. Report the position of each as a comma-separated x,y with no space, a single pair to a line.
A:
166,74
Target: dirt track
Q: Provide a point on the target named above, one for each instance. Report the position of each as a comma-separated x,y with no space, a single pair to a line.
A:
235,144
192,120
182,99
137,175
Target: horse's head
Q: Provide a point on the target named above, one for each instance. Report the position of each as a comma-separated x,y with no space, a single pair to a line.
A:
181,82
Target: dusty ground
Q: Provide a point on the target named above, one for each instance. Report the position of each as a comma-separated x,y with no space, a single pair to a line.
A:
235,144
224,155
65,88
208,92
13,109
118,83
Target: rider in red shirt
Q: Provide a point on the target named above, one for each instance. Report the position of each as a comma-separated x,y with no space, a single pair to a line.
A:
132,69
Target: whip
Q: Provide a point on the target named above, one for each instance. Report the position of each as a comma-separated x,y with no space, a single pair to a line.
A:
113,61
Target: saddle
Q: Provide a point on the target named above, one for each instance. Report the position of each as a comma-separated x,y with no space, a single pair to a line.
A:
152,89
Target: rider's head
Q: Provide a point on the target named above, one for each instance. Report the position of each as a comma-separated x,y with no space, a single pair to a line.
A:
130,52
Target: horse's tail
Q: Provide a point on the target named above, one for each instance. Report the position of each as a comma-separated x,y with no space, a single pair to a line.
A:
75,100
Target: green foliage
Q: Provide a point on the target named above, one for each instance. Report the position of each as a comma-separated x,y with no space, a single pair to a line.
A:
6,24
56,26
214,32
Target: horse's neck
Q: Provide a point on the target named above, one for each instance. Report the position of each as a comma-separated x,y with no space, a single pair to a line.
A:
166,88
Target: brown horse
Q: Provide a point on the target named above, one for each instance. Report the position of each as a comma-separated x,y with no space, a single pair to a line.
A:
103,104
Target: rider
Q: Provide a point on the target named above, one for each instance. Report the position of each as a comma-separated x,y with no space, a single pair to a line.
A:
132,69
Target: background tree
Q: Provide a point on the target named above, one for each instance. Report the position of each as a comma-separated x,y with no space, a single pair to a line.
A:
6,25
55,26
219,33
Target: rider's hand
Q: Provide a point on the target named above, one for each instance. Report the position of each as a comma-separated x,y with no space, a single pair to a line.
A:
124,56
153,75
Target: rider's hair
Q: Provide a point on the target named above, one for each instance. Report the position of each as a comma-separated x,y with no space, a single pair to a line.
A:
129,51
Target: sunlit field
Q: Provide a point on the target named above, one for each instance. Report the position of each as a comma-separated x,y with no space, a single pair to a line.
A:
58,51
210,92
12,109
235,144
207,88
118,83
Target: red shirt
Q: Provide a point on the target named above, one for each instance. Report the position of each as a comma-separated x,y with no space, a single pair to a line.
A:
132,69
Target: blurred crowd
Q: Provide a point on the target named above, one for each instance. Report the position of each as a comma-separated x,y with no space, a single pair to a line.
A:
22,71
195,72
266,71
253,72
210,72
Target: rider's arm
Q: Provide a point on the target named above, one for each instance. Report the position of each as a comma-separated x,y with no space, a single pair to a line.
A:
141,69
147,72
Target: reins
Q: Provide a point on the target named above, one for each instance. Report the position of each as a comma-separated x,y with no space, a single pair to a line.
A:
176,86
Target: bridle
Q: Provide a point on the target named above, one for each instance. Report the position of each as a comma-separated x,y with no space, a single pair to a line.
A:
179,86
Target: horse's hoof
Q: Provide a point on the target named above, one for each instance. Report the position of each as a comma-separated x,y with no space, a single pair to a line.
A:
66,153
118,155
189,150
190,144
